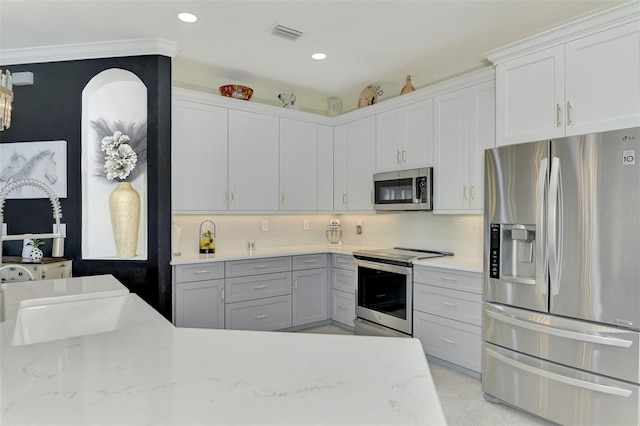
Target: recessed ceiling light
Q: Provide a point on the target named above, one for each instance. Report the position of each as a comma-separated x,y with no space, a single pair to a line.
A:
187,17
319,56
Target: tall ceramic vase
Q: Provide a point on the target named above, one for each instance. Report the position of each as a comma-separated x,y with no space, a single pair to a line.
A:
124,205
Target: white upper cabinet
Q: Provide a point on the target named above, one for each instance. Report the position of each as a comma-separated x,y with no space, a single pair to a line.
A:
325,168
298,165
464,128
588,83
404,137
198,157
354,164
253,161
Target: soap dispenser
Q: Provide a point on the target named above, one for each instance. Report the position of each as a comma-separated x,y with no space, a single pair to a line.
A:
207,237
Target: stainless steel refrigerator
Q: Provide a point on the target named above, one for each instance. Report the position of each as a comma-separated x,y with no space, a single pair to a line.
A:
561,319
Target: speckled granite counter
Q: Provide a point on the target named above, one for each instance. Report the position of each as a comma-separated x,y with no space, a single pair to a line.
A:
162,375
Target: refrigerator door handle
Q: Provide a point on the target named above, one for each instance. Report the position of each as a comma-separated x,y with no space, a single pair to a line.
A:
573,335
611,390
541,251
554,230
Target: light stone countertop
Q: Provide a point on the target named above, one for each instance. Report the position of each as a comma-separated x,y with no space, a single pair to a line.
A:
162,375
460,263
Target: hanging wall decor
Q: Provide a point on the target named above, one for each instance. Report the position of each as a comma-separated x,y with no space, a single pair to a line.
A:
114,167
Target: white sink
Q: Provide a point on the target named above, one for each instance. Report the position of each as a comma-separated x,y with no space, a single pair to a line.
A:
53,319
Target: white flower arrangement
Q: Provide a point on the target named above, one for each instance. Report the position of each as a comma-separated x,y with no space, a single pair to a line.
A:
119,159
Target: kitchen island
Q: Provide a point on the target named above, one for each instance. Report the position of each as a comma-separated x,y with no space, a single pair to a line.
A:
157,374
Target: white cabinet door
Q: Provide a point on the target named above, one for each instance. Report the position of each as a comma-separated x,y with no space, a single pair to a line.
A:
340,167
361,163
530,94
198,157
451,151
199,304
418,135
325,168
464,128
404,137
603,81
389,137
253,161
310,296
298,165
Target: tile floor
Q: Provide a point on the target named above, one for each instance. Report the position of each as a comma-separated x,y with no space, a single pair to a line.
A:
461,396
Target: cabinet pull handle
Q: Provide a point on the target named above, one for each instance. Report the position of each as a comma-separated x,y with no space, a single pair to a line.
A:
448,279
232,197
260,286
452,342
404,156
398,156
340,280
260,266
282,198
569,108
310,261
295,284
344,198
451,305
558,115
344,308
202,271
464,192
222,294
471,193
344,262
261,316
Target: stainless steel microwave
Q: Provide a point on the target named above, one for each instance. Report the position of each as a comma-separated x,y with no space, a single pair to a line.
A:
404,190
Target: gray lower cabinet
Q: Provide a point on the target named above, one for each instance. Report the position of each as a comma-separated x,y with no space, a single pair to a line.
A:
268,314
310,291
447,315
198,295
343,288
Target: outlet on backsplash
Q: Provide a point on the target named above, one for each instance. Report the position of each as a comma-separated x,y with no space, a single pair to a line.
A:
305,225
265,225
359,227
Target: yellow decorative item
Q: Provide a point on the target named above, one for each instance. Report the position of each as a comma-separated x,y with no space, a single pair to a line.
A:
368,96
124,206
408,87
207,237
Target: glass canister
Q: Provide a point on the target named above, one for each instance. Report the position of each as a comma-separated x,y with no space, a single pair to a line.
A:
207,237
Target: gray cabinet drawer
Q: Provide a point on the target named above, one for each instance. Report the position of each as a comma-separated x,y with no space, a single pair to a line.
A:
199,272
309,261
453,304
449,278
343,261
343,307
240,268
452,341
344,280
272,313
257,286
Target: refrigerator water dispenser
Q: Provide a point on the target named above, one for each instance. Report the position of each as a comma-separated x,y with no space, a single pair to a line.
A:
512,252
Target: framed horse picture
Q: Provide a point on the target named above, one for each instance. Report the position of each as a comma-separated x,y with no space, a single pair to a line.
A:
45,161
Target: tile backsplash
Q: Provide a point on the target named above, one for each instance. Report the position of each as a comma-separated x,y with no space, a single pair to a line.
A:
460,234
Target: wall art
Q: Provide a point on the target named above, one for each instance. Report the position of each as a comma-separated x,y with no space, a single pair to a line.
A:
45,161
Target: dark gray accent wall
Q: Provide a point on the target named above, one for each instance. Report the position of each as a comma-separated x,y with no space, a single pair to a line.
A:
51,109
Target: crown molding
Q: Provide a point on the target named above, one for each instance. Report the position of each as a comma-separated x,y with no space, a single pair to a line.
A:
628,12
71,52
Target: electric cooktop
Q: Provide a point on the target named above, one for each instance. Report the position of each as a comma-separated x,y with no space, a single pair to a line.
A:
398,255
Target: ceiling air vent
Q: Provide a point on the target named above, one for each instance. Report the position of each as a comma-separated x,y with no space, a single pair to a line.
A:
286,32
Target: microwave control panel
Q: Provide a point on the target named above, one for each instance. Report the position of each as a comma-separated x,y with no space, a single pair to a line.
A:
422,193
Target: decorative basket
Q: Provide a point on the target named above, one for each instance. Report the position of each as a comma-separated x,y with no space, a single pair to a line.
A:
236,91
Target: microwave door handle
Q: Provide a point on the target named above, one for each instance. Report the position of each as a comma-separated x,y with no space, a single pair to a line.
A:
540,205
555,226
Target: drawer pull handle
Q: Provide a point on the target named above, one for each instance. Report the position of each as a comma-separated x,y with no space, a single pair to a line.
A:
448,279
451,305
344,262
263,316
310,261
452,342
260,266
341,280
261,286
342,307
203,271
381,295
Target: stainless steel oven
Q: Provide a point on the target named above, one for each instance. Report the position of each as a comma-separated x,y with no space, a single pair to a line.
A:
384,290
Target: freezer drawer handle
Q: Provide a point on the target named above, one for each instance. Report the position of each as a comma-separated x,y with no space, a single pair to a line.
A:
448,279
608,341
559,378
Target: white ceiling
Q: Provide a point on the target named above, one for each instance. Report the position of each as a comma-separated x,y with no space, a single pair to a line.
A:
366,41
